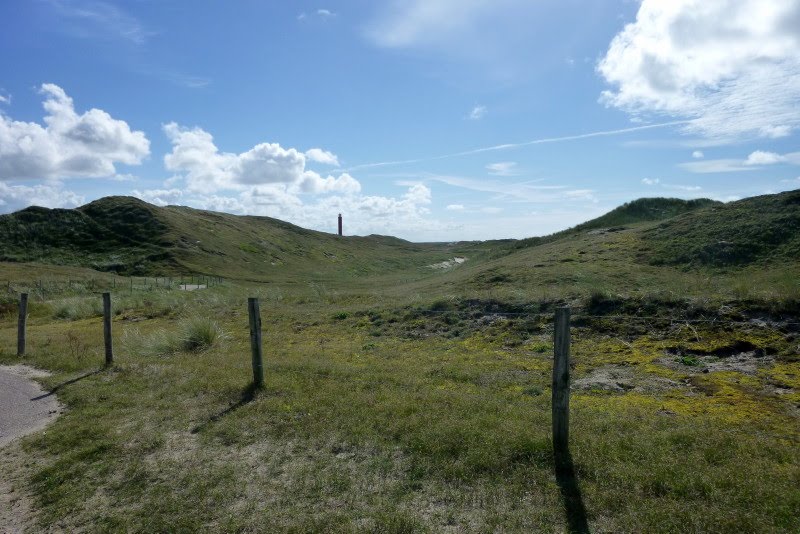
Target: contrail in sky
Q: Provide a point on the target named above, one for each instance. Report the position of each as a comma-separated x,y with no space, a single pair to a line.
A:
517,145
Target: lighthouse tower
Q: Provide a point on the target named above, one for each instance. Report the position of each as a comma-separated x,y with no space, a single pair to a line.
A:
340,224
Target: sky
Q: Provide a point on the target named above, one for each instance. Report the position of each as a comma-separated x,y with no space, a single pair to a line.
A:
430,120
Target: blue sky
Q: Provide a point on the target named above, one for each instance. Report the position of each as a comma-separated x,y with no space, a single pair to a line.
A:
426,119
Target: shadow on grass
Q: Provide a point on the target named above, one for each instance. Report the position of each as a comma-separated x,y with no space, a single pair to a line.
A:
571,493
248,395
55,389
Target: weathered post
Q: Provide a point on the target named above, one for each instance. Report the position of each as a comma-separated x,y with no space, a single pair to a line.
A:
255,341
23,319
107,328
561,344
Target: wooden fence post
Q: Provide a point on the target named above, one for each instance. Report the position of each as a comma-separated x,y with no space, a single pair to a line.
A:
255,341
107,328
561,344
23,319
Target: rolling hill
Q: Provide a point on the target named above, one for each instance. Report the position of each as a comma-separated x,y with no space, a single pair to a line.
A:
128,236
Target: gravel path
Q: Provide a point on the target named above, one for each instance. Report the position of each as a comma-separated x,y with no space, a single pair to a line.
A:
24,406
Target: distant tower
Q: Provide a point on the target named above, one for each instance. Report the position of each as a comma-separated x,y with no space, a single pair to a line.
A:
340,224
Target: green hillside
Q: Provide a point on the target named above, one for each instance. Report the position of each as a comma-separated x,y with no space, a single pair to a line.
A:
634,243
764,229
128,236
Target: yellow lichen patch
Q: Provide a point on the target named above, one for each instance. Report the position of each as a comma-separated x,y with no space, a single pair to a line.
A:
613,350
727,404
712,340
660,370
785,377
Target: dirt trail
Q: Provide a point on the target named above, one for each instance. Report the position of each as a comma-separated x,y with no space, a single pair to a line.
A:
24,408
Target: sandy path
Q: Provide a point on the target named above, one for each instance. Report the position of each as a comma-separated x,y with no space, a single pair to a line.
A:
24,408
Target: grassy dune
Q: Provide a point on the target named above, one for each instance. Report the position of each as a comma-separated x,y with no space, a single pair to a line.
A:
405,398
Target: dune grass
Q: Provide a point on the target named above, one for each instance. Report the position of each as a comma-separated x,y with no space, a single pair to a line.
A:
380,416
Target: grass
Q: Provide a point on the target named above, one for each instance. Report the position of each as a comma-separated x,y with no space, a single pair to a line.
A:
379,416
401,398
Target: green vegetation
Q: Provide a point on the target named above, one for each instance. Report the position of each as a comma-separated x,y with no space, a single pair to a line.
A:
403,398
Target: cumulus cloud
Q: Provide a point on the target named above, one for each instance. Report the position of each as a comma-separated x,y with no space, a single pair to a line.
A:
455,207
650,181
730,66
159,197
196,158
322,156
477,113
698,154
271,180
69,145
15,197
406,215
312,182
759,157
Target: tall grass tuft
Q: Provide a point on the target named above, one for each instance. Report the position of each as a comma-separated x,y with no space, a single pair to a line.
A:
199,334
193,335
75,308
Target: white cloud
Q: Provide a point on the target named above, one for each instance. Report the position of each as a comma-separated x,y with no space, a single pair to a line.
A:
323,14
775,132
698,154
5,99
312,182
69,145
322,156
15,197
650,181
756,158
683,187
205,169
271,180
406,215
159,197
455,207
716,165
503,168
759,157
731,66
477,113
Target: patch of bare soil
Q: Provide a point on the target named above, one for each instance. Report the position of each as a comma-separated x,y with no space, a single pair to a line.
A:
739,356
621,379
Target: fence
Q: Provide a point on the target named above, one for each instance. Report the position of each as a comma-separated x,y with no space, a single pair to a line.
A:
109,284
563,322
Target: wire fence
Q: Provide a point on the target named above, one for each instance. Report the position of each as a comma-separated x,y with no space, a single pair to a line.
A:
43,288
612,358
